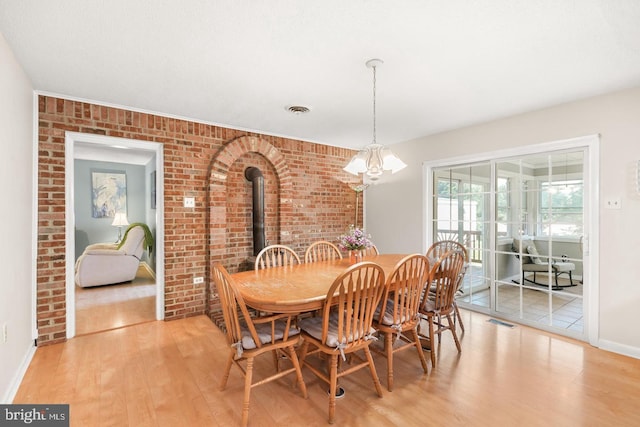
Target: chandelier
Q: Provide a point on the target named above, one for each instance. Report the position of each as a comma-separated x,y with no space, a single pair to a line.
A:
375,158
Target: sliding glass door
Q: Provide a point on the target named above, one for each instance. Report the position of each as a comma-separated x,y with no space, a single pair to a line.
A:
522,220
462,212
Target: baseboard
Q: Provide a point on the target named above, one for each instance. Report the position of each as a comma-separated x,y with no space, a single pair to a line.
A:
148,269
14,385
625,350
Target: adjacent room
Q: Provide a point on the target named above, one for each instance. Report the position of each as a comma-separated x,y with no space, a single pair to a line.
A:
377,212
114,192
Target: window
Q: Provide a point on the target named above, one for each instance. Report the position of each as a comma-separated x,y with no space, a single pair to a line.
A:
561,208
461,205
503,205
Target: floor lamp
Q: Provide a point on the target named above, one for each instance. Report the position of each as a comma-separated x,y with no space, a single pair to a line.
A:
358,189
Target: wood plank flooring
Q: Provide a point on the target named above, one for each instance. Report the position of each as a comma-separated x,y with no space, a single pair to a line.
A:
102,308
168,374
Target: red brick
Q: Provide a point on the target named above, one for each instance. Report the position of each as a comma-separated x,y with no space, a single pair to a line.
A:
307,197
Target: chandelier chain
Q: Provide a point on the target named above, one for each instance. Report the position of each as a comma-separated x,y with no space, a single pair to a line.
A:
374,103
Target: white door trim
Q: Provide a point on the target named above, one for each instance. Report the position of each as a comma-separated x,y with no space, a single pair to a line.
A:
70,139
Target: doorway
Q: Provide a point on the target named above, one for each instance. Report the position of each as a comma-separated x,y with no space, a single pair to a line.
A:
526,217
127,152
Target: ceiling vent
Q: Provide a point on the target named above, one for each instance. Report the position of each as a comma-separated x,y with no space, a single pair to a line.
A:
298,109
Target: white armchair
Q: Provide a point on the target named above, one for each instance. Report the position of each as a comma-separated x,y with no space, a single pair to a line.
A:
104,264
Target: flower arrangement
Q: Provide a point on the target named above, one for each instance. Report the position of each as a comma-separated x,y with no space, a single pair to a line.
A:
354,239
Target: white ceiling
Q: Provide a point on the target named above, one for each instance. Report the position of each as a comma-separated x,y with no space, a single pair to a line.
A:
240,63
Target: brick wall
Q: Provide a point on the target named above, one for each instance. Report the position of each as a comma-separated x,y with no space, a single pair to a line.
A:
307,197
239,205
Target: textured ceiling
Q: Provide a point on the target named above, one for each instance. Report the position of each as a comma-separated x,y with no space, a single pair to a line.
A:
448,64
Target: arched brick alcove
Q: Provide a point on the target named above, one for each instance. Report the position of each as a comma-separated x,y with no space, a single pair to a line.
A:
218,197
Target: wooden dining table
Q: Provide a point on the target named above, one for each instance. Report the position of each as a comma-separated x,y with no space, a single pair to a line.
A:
298,288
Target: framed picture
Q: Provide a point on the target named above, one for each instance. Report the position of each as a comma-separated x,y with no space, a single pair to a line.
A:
153,189
108,193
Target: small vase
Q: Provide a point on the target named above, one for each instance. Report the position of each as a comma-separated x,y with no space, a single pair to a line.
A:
355,256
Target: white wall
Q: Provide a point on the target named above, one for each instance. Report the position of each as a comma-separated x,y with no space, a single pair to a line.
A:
16,176
616,117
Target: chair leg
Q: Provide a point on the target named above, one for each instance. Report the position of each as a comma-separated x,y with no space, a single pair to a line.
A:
388,346
453,331
559,287
374,373
457,316
227,370
247,391
303,352
296,364
333,385
416,340
431,340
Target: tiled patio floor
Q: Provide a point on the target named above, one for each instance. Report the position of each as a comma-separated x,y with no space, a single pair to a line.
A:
566,312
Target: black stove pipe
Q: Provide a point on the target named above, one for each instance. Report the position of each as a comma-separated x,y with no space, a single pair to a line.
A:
254,175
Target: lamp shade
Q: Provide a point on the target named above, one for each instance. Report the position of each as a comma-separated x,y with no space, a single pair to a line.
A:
373,160
120,219
357,164
391,162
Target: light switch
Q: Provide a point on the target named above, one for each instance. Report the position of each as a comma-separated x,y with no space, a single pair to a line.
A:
189,202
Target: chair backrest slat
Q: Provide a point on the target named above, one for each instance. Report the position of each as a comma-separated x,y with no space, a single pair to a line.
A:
371,251
353,298
404,287
438,249
232,305
321,251
276,256
445,276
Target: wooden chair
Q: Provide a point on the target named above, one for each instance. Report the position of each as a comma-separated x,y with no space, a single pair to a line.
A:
253,337
371,251
397,315
345,327
438,249
322,250
444,276
276,256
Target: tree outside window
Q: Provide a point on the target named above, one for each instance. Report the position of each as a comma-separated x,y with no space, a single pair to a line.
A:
561,206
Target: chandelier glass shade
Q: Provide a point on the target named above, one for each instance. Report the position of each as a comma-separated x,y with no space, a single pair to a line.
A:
375,158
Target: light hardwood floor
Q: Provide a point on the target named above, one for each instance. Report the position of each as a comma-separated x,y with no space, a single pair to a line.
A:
168,374
102,308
